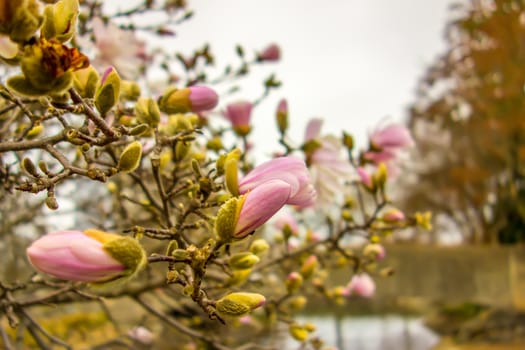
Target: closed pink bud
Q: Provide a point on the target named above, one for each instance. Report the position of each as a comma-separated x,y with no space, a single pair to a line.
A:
260,204
74,256
202,98
291,170
239,114
366,178
271,53
393,215
313,129
362,285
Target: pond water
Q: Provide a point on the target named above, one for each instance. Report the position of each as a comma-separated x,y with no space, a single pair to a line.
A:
390,332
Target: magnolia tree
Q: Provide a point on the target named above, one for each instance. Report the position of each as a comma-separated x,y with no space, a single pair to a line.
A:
167,245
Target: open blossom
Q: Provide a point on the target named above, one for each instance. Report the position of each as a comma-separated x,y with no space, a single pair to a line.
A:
239,114
386,142
118,48
291,170
328,167
87,256
362,285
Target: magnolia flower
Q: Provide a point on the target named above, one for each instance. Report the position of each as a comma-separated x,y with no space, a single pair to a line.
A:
291,170
362,285
89,256
271,53
239,115
386,142
260,204
328,167
262,193
118,48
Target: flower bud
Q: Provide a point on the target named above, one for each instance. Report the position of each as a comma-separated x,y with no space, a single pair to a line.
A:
362,285
60,20
270,54
298,332
424,220
282,116
348,141
298,303
381,176
366,179
130,158
89,256
129,90
241,261
108,92
147,111
181,150
393,216
20,19
85,81
259,246
293,282
239,304
231,171
192,99
241,216
309,266
239,115
374,251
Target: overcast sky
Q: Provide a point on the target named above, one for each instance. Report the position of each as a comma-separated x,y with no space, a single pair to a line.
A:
354,63
351,62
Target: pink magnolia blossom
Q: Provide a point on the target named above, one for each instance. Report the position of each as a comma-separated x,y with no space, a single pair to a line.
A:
74,256
328,166
393,136
239,114
291,170
260,204
386,142
118,48
270,54
362,285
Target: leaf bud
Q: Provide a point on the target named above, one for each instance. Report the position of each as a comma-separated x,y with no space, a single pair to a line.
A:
259,246
239,304
241,261
147,111
130,158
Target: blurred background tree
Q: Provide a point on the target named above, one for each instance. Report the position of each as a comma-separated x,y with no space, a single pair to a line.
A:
468,123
